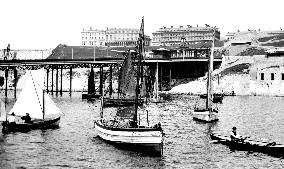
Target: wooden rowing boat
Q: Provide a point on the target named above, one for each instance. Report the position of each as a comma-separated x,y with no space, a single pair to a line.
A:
250,144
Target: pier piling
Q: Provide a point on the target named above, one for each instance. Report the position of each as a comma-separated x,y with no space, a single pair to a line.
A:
6,82
52,80
110,80
56,80
61,80
91,84
47,73
70,90
101,79
15,83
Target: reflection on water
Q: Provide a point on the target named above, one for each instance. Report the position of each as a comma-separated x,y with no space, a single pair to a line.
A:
187,143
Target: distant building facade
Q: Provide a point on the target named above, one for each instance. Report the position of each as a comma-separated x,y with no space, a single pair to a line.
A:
188,35
112,37
93,37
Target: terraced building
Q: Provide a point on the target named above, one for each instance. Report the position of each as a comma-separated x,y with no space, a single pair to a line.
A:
111,37
186,35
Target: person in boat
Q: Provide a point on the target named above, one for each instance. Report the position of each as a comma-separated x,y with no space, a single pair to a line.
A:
27,118
235,136
12,119
158,126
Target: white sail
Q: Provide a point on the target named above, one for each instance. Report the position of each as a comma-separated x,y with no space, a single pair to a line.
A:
51,110
2,111
31,99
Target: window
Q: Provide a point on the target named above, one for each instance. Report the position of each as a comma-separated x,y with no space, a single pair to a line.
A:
272,76
262,76
282,76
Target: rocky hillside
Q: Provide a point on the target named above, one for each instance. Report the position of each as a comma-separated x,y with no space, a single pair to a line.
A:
238,75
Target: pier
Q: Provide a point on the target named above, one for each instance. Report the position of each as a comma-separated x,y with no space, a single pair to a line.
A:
168,69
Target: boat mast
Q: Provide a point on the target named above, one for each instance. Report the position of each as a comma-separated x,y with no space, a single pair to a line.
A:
102,104
210,70
43,105
157,83
140,55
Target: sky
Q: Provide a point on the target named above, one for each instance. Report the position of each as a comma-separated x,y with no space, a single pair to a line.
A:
44,24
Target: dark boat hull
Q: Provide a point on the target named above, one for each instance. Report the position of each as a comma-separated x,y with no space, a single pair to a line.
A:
217,98
145,140
23,127
90,96
112,102
251,144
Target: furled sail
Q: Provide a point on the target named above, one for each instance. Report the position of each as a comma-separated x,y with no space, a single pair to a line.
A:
127,78
31,98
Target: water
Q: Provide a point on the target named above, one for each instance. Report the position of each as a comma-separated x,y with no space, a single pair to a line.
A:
76,145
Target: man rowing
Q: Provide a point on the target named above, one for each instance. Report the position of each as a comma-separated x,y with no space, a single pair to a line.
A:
235,136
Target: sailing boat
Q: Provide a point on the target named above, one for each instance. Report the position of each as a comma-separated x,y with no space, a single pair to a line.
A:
34,100
146,139
208,114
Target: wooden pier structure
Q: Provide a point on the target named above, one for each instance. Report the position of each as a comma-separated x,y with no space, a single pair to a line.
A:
167,69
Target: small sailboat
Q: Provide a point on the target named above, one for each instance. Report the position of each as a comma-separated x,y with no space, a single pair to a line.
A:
35,101
208,114
145,139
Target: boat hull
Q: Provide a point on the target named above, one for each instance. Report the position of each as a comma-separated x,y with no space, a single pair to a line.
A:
205,116
146,140
23,127
217,98
90,96
251,144
112,102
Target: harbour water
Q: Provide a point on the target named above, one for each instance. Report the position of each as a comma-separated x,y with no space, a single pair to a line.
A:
187,143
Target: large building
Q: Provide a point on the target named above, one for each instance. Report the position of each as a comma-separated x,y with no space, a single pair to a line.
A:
188,35
111,37
93,37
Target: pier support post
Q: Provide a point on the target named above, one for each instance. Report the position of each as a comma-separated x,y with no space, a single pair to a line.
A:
15,83
101,79
47,73
56,80
70,89
110,80
91,84
161,77
6,81
61,82
157,81
52,80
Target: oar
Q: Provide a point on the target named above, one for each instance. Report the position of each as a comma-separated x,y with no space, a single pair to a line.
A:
217,141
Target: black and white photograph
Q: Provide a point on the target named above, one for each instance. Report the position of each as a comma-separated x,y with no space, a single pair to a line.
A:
131,84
